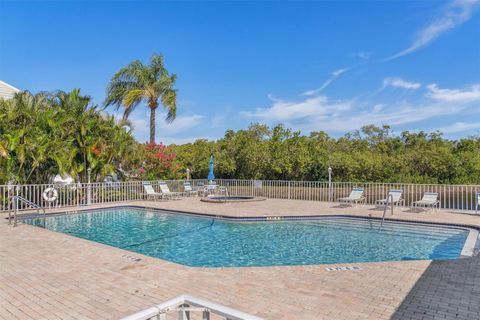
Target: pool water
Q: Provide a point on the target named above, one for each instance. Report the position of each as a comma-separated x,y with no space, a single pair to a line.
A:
207,242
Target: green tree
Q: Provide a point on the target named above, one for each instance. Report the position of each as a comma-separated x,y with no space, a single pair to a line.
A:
138,83
46,134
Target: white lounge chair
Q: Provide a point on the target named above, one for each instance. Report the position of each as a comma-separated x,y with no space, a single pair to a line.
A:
151,193
355,196
167,194
394,198
429,199
477,203
209,189
187,186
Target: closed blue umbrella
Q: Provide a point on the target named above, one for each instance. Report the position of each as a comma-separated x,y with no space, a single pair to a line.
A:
210,174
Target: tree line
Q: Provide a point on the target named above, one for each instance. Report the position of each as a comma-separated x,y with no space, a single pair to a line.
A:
371,154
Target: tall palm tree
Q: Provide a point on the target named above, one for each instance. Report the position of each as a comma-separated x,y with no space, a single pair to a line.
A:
138,83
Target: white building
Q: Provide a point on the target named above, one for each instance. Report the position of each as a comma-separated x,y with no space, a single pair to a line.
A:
7,91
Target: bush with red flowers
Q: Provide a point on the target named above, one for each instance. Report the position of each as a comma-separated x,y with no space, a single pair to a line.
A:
158,162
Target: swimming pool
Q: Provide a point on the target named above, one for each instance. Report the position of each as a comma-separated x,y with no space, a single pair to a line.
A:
209,242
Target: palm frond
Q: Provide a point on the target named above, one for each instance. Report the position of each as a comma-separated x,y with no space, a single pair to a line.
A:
169,101
131,99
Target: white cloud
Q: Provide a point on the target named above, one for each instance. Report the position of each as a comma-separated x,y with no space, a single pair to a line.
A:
183,123
400,83
177,140
460,127
338,72
397,114
323,113
452,15
334,75
291,110
468,94
362,55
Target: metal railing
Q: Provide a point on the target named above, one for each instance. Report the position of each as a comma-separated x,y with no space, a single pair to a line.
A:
15,201
455,197
181,307
388,201
460,198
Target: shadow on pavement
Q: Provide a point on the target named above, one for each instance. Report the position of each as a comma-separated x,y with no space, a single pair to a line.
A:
448,289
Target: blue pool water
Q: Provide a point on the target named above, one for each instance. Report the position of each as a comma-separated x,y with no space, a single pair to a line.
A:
206,242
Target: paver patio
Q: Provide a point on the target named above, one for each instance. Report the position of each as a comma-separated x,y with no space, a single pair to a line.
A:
49,275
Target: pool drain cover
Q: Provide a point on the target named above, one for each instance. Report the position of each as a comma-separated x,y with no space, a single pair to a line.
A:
343,268
132,258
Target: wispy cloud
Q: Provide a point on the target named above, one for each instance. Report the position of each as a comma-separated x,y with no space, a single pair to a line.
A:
183,123
177,140
362,55
323,113
468,94
281,110
400,83
453,14
460,127
333,76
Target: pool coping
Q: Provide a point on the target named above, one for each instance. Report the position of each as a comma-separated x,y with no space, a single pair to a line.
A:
216,199
470,248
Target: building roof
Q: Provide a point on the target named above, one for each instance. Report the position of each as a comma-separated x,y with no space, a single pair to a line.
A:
7,91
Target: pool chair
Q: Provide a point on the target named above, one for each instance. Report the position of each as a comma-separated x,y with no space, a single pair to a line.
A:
477,202
355,196
151,193
394,198
187,187
429,199
167,194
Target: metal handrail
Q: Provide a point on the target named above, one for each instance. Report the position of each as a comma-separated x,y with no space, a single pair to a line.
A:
385,207
461,198
14,200
183,304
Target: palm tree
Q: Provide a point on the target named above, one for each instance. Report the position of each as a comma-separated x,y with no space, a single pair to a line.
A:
138,83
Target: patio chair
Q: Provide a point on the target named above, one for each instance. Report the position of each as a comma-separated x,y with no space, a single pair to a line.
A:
201,189
209,189
394,198
151,193
189,190
477,203
355,196
429,199
167,194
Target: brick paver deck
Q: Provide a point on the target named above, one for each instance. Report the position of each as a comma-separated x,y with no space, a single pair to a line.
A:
49,275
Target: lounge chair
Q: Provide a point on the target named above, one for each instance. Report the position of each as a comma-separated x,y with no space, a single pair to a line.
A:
210,189
151,193
429,199
394,198
355,196
477,202
167,194
187,186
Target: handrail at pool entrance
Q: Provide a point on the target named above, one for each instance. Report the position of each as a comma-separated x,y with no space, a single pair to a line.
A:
15,200
461,198
389,198
184,304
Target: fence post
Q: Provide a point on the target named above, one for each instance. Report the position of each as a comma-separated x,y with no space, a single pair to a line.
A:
329,184
289,190
89,194
15,203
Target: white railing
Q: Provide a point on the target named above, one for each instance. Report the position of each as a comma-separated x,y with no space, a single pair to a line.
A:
455,197
181,307
458,197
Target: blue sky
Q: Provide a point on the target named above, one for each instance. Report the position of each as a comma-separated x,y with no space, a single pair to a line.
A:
318,65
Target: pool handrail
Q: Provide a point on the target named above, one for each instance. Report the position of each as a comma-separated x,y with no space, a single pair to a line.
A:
182,305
